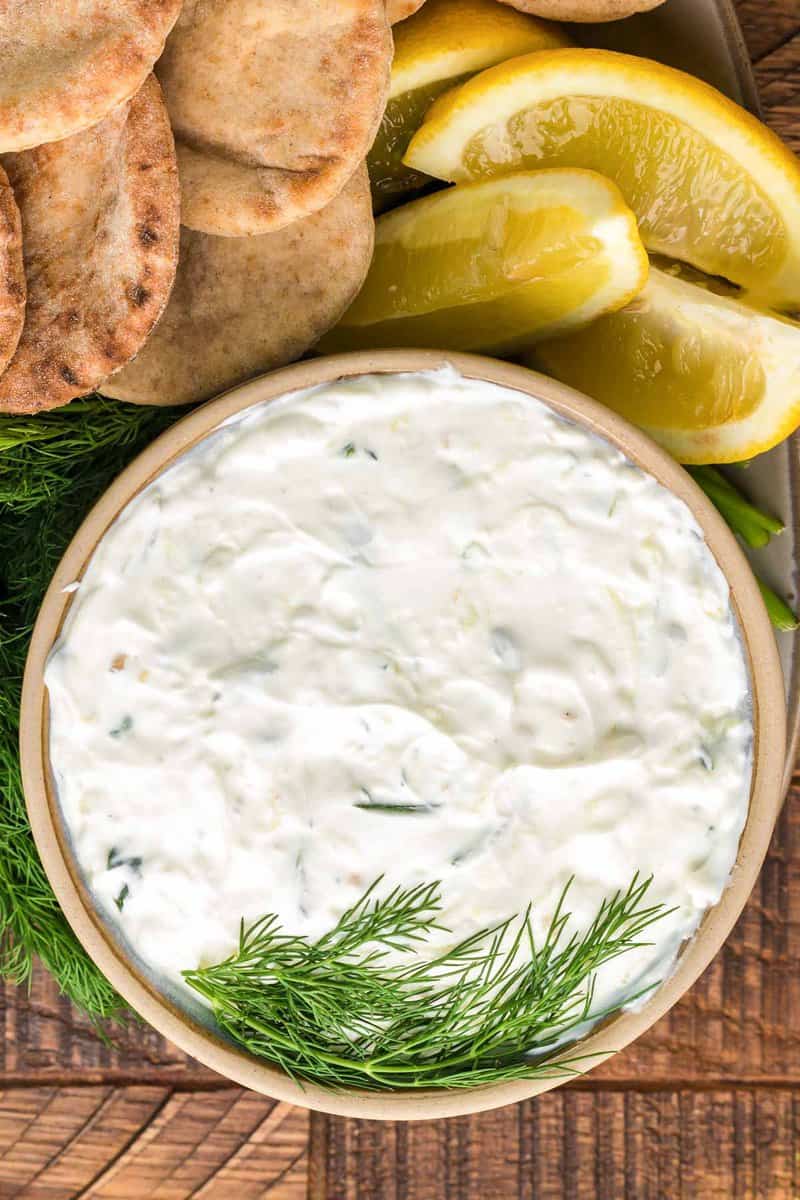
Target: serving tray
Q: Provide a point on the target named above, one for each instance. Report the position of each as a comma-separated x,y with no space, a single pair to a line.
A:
704,37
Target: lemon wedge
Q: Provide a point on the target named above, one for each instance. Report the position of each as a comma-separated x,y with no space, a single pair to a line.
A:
443,44
708,183
494,265
712,379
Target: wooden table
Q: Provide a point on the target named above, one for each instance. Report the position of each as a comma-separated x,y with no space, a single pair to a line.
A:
706,1106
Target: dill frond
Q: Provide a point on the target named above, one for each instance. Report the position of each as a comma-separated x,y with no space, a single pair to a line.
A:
53,467
339,1013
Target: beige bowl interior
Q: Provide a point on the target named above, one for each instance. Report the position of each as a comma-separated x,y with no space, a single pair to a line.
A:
133,983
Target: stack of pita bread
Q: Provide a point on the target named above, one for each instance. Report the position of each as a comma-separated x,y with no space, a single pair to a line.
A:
251,133
88,193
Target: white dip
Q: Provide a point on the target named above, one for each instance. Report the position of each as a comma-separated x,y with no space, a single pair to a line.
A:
407,590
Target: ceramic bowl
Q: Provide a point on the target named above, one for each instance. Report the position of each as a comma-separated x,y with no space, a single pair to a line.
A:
193,1030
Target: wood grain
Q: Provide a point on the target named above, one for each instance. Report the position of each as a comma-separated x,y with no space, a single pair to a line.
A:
704,1107
778,76
575,1144
149,1142
767,24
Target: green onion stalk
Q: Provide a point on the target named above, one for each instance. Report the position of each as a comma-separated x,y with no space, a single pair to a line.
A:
754,527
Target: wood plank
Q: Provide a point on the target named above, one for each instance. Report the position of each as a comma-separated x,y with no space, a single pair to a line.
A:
772,33
778,76
766,24
150,1143
44,1035
573,1144
65,1118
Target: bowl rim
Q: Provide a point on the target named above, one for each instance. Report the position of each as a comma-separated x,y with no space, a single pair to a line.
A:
769,720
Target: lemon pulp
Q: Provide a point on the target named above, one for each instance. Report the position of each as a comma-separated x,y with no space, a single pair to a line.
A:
709,184
493,266
692,200
710,377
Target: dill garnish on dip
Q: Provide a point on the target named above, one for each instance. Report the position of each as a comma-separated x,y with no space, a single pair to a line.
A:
413,629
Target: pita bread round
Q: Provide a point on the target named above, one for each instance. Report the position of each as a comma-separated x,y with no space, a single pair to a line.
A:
228,199
583,10
100,220
65,64
296,88
12,273
242,306
398,10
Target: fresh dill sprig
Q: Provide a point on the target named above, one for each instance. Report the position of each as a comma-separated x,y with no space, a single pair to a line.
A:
339,1012
53,466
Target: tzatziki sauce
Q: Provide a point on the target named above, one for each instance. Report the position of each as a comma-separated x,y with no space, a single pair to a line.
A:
414,626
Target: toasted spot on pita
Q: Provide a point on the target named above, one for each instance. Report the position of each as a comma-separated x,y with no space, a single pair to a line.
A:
398,10
65,66
241,306
296,87
100,244
12,273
